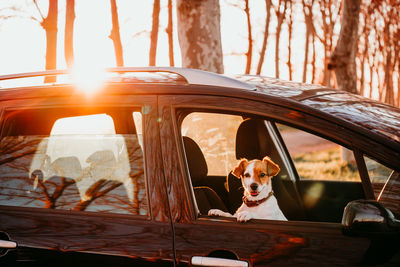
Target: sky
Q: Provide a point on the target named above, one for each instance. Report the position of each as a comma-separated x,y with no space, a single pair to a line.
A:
22,39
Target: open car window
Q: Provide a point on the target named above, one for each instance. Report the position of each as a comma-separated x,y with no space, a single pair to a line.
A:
214,144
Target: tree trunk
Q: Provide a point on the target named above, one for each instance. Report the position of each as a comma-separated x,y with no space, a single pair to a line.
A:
280,16
154,33
249,53
268,5
308,18
343,57
49,24
200,35
115,35
398,85
363,60
290,33
170,35
69,33
314,59
389,94
371,80
363,57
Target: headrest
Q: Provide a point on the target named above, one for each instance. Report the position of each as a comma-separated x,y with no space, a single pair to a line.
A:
251,140
196,161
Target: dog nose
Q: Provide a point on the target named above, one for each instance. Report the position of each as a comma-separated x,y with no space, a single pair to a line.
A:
254,186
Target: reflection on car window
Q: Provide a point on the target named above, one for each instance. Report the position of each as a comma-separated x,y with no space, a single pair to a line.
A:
81,165
378,174
316,158
385,183
390,194
215,134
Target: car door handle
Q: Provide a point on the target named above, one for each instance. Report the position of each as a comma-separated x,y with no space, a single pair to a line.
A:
210,261
7,244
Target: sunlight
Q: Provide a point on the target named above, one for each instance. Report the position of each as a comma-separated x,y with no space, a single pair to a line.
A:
88,78
90,124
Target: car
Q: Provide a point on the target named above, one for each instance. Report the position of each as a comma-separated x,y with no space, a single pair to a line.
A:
125,172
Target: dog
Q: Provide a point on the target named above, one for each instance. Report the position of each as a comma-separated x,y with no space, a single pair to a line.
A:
259,201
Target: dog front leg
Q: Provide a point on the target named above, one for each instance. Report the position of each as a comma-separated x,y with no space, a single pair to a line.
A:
217,212
244,216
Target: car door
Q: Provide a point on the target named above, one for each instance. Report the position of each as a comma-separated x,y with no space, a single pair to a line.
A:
204,240
81,183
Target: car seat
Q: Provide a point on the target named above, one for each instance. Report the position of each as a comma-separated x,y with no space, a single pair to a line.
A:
206,198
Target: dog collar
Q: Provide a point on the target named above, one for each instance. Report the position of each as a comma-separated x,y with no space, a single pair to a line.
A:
253,203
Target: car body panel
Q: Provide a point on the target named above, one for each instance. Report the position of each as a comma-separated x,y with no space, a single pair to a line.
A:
271,243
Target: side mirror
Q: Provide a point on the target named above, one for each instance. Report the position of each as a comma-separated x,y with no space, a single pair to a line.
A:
369,218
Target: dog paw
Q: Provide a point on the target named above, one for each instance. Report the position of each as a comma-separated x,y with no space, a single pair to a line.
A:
244,216
215,212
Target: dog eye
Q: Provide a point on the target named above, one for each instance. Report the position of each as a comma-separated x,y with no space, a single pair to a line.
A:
262,174
247,175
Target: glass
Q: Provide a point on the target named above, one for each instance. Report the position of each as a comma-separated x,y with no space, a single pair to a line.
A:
316,158
83,165
215,134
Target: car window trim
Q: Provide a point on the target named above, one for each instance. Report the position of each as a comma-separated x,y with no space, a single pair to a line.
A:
286,158
364,175
283,151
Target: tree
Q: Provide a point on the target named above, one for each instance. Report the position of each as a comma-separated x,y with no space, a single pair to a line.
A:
290,33
249,53
69,32
329,12
170,32
343,57
268,5
49,24
308,18
115,36
280,12
200,35
154,33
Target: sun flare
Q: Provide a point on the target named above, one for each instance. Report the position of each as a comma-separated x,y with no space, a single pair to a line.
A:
88,78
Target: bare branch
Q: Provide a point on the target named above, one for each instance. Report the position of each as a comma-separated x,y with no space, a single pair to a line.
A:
38,9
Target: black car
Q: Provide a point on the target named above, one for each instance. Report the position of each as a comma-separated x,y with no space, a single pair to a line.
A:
126,174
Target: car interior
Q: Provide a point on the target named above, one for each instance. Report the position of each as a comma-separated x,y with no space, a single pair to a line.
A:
302,200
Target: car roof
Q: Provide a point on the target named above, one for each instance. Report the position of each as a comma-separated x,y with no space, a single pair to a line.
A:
191,76
366,114
369,114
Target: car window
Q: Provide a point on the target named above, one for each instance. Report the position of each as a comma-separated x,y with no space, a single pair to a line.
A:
214,145
215,134
316,158
385,183
71,162
378,174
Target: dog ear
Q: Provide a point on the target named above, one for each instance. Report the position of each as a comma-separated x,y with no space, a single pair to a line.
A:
272,168
239,169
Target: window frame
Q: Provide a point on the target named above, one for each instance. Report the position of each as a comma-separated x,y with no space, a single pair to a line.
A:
174,107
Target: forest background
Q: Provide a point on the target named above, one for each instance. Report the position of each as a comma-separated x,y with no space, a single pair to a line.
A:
348,44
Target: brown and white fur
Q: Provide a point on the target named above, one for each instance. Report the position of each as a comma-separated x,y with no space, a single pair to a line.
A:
256,180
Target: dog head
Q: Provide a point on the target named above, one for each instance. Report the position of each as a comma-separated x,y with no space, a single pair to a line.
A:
256,176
